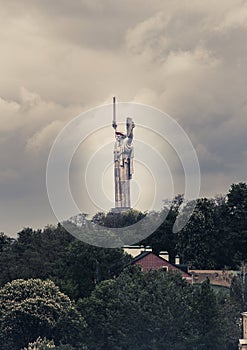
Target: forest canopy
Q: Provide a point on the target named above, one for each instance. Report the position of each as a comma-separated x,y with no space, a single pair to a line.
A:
58,292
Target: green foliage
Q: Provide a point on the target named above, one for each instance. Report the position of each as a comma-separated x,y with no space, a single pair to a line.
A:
112,219
231,324
158,310
41,344
215,237
87,265
53,253
4,241
164,238
35,254
33,308
207,317
136,310
235,227
196,242
44,344
139,311
238,290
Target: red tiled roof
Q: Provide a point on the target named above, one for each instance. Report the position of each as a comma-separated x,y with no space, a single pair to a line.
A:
149,261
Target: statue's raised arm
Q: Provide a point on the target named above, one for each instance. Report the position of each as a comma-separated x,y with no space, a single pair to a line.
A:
129,128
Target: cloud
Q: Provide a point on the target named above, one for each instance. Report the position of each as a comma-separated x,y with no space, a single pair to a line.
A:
236,18
61,58
44,137
148,36
7,174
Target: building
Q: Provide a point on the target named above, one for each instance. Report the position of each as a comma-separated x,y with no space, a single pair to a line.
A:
242,345
221,278
148,261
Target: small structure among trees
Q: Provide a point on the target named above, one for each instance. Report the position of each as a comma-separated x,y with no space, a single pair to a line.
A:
243,342
150,261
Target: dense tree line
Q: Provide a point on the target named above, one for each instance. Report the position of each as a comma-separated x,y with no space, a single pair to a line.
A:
215,236
136,310
58,292
154,310
53,253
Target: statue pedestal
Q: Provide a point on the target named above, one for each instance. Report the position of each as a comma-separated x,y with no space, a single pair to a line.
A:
120,209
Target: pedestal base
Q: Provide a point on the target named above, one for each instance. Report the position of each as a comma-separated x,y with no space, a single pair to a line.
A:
120,209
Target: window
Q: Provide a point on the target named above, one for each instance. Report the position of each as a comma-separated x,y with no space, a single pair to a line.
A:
164,268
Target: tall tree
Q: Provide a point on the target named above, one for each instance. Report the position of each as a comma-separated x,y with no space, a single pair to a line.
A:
87,265
236,224
196,242
35,254
32,308
207,322
139,311
5,241
164,238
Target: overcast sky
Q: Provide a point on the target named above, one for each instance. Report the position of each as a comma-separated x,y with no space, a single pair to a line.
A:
61,58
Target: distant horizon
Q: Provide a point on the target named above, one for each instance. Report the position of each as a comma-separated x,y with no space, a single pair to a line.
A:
90,216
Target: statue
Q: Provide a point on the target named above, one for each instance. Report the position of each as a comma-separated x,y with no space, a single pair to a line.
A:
123,163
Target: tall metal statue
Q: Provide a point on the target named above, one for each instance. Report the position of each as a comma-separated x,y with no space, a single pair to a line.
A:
123,162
